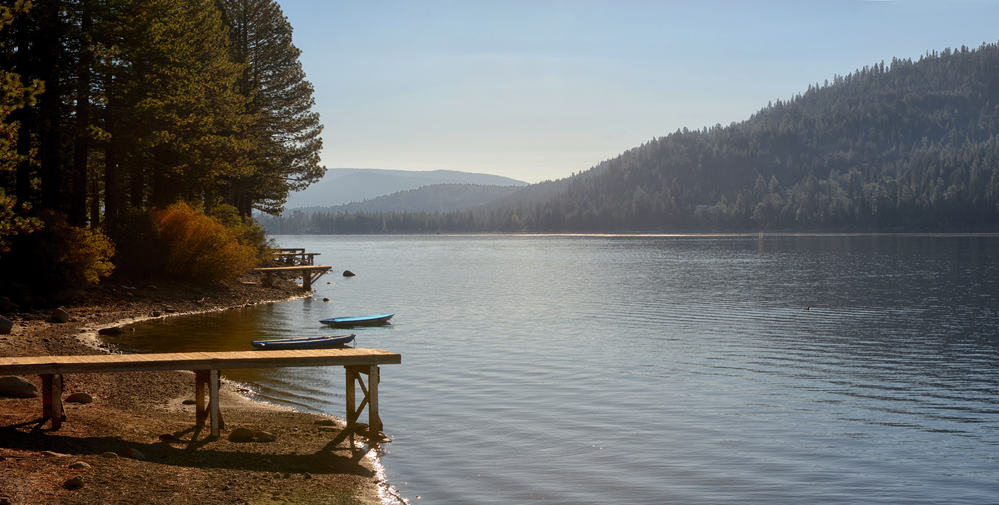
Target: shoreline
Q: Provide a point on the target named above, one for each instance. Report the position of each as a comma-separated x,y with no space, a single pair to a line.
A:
143,418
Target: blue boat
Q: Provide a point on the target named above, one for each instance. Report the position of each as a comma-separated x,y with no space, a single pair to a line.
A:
346,322
304,342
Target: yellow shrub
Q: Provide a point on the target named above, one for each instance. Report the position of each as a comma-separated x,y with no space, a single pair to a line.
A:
199,247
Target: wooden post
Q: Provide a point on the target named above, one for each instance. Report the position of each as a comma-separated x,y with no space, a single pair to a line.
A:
267,280
200,381
213,402
351,414
374,422
52,399
306,279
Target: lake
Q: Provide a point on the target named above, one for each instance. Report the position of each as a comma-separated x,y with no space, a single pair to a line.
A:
650,370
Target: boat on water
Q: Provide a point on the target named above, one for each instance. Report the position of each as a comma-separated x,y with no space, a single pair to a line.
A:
344,322
304,342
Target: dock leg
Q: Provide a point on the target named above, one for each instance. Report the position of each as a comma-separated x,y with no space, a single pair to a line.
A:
374,422
200,412
267,280
52,399
306,280
351,413
213,403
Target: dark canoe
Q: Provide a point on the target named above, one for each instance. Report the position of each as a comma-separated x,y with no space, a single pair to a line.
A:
304,343
344,322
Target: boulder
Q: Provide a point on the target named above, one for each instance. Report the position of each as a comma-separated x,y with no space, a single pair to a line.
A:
59,315
79,398
53,454
264,436
241,435
73,483
189,402
114,330
348,273
17,387
80,465
109,455
5,325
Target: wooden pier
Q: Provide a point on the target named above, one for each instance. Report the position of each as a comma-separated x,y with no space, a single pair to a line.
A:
309,273
206,366
295,256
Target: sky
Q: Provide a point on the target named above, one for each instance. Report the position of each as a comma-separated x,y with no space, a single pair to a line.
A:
538,90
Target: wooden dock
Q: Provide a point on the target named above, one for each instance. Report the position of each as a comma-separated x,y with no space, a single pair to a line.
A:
309,273
295,256
206,365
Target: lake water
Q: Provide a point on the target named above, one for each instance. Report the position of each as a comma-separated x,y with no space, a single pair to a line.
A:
653,370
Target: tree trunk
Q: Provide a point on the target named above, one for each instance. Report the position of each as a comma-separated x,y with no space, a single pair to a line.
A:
81,144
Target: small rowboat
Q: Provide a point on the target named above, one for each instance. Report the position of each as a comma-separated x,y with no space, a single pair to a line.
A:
304,343
345,322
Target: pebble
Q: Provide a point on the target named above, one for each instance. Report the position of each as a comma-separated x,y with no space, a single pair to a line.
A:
73,483
79,397
348,273
134,453
59,315
189,402
81,465
241,435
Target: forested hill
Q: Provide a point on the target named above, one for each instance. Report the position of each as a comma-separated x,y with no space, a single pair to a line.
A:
910,145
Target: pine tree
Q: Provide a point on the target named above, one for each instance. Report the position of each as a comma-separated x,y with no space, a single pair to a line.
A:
286,132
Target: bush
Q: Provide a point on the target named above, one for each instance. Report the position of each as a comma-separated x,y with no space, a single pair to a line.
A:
58,259
198,247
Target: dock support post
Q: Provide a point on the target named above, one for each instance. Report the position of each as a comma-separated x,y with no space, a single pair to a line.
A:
374,422
306,279
200,412
52,399
213,403
351,413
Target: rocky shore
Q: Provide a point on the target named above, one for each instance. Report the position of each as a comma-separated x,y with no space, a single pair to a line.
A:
129,437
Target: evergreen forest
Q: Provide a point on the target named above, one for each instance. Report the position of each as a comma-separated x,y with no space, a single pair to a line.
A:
900,146
112,111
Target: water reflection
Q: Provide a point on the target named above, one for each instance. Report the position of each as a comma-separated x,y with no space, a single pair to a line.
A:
663,369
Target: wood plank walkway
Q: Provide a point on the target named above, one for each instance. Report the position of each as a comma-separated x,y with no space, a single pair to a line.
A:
206,365
309,273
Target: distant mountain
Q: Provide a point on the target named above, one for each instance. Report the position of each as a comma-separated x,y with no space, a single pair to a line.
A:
905,146
345,185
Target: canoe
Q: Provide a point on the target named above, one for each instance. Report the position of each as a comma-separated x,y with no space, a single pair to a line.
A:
372,320
304,342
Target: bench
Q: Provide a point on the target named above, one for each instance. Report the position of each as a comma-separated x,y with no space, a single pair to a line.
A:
296,258
206,366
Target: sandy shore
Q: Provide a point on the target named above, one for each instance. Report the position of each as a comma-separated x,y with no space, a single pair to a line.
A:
143,419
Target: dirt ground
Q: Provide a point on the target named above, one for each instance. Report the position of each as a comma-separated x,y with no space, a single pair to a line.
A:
141,417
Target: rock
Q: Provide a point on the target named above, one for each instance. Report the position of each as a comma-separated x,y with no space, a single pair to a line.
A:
326,422
4,501
5,325
328,428
17,387
189,402
59,315
264,436
114,330
169,310
306,475
73,483
241,435
168,437
79,398
109,455
134,453
80,465
326,299
348,273
157,313
53,454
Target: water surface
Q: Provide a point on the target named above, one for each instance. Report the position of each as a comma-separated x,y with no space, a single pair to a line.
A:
650,370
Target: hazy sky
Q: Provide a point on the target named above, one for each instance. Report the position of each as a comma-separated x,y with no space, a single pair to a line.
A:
538,89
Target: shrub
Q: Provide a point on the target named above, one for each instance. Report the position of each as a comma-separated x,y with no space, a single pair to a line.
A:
58,259
198,247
